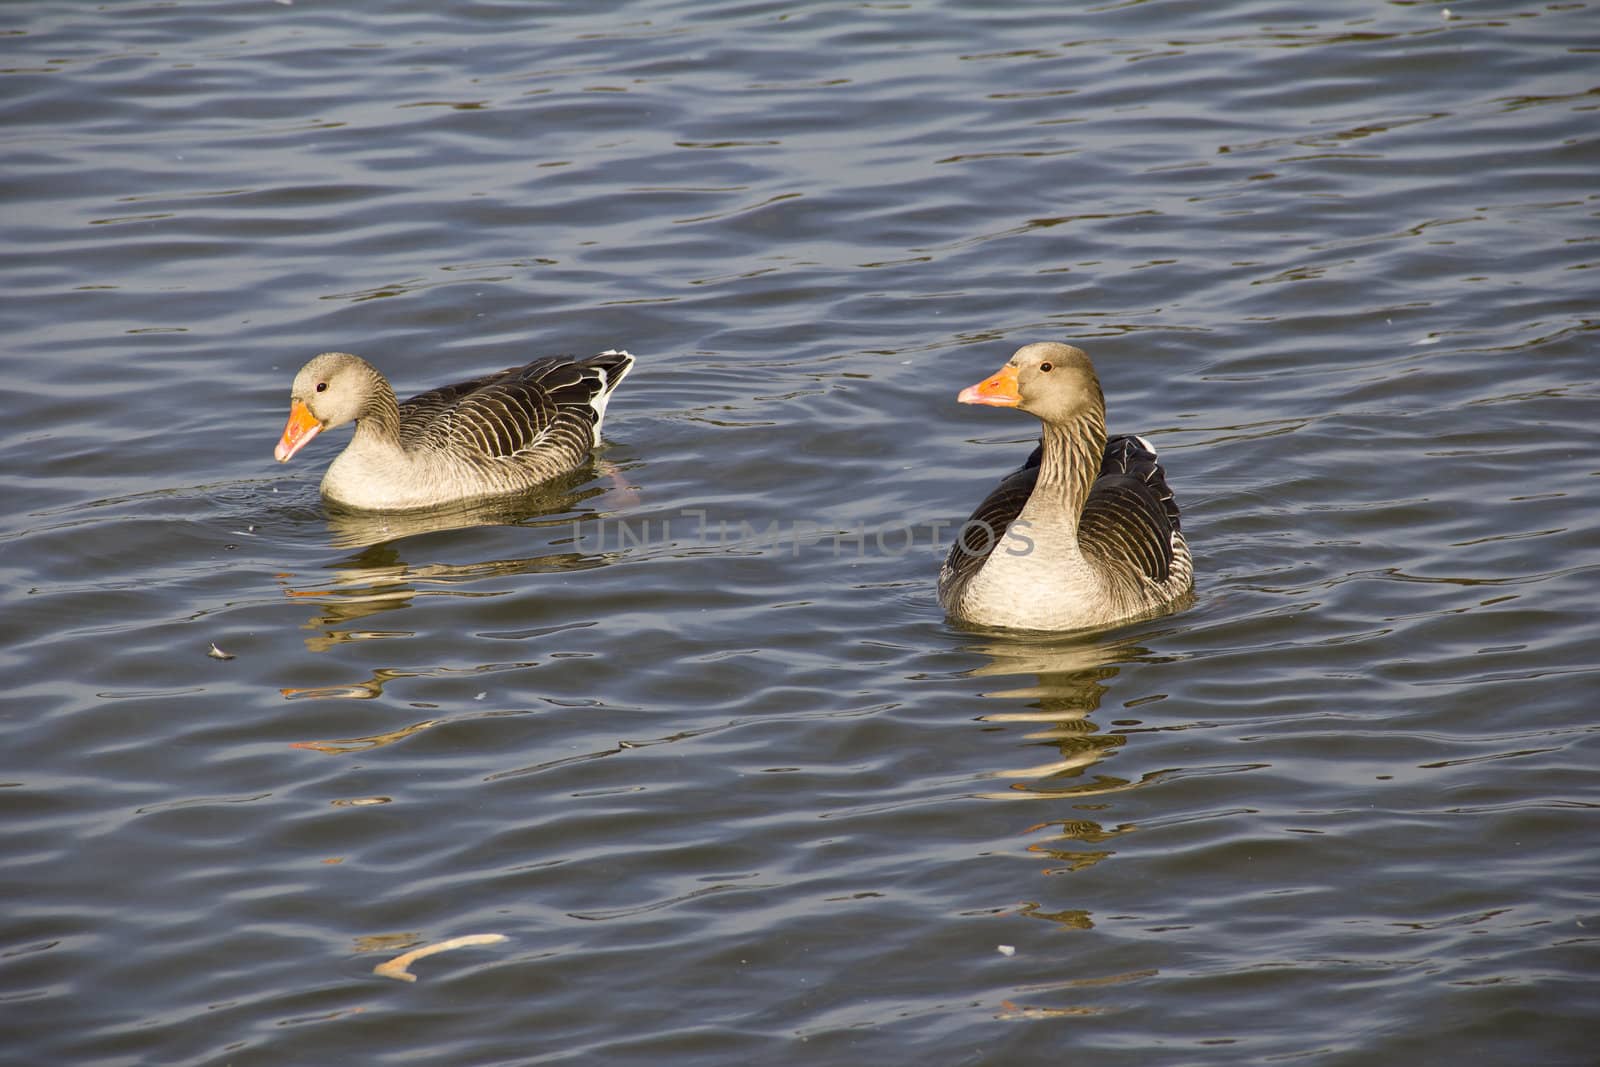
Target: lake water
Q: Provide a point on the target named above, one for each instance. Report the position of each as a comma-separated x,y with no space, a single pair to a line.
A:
690,730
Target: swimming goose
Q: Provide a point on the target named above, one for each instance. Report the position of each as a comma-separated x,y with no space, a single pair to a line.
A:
1084,534
498,434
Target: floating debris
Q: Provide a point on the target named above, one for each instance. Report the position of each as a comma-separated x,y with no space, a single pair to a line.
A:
216,653
1010,1010
396,968
361,744
1007,950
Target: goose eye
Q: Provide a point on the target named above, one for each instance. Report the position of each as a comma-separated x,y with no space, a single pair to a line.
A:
1046,367
322,387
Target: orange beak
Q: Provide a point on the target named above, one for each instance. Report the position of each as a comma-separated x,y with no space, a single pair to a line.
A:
302,427
998,390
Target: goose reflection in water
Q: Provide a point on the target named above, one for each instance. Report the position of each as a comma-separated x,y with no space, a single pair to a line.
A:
1058,685
1069,677
377,578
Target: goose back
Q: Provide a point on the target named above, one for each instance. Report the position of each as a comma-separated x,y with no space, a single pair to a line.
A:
551,408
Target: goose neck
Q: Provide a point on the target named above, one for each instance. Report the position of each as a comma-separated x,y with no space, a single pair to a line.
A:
1070,462
379,420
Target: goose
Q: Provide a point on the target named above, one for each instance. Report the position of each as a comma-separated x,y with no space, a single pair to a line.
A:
498,434
1085,533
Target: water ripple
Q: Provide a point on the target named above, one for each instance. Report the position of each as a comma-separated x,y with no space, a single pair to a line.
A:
688,729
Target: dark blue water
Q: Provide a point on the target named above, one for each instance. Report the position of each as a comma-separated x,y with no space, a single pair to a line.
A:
690,731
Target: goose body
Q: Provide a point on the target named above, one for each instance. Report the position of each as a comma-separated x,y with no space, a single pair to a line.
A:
498,434
1085,534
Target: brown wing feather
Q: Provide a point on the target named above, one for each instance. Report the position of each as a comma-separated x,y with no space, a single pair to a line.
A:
546,405
1130,514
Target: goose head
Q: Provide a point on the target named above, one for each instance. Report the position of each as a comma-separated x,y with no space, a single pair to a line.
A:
1052,381
331,390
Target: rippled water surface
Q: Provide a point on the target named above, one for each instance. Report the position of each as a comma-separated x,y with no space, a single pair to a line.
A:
689,729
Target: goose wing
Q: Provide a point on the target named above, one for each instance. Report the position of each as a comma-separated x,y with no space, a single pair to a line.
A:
1130,520
981,534
552,404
